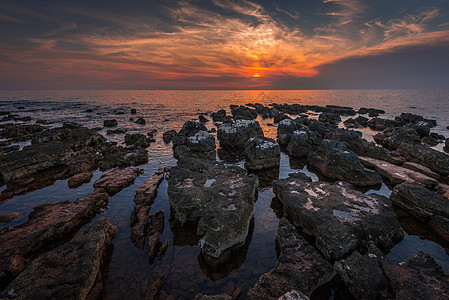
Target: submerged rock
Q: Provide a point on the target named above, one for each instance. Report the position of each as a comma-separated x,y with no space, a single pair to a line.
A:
334,160
68,273
222,198
234,136
299,267
193,140
339,217
262,153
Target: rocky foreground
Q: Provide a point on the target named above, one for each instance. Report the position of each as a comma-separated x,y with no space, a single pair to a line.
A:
330,232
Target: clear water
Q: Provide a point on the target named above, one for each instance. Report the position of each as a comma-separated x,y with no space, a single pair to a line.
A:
130,273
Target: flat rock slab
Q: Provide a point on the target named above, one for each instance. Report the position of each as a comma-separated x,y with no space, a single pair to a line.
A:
421,169
143,200
299,267
397,174
341,218
437,161
68,273
116,180
47,224
221,197
79,179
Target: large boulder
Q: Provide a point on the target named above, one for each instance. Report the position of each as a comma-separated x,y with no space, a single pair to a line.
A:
394,137
221,197
299,267
340,218
234,136
72,272
193,140
303,141
262,153
335,161
285,131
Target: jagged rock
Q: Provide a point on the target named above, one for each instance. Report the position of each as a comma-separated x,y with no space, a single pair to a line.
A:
394,137
243,113
380,124
334,160
222,198
329,117
120,157
303,141
168,136
362,147
341,218
213,297
8,217
437,161
408,118
19,132
285,131
143,200
203,119
140,121
372,112
433,139
116,180
133,111
155,289
421,169
419,201
73,147
193,140
110,123
79,179
262,153
339,110
446,145
219,115
138,140
359,122
67,273
294,295
396,174
299,267
234,136
422,128
47,224
154,232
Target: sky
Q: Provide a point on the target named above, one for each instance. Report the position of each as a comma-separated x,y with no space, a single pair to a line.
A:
224,44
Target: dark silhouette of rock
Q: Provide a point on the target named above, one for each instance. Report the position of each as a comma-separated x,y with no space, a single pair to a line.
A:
138,140
140,121
329,117
219,115
110,123
380,124
243,113
299,267
372,112
359,122
203,119
168,136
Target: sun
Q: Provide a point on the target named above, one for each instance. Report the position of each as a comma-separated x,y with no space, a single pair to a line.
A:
256,75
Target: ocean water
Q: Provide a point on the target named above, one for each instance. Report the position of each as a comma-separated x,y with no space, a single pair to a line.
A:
185,272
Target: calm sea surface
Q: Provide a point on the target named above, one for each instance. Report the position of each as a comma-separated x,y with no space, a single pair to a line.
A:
130,274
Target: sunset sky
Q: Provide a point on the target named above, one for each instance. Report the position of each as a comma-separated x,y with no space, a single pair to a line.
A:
224,44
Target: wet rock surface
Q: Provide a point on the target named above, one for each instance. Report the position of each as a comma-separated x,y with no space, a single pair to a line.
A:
339,217
67,273
222,198
234,136
193,140
299,267
116,180
79,179
262,153
303,141
334,160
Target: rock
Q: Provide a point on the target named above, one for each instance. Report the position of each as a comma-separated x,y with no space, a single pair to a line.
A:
47,224
9,149
372,112
278,116
120,157
364,276
359,122
20,132
421,169
203,119
335,161
294,295
234,136
380,124
422,128
393,138
340,218
8,217
433,139
143,200
292,109
213,297
262,153
154,232
110,123
138,140
396,174
222,198
364,148
116,180
299,267
446,145
285,131
168,136
75,148
193,140
115,131
329,118
419,201
70,272
133,111
243,113
303,141
79,179
437,161
154,291
140,121
408,118
219,115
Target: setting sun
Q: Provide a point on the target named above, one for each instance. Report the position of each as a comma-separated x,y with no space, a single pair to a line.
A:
256,75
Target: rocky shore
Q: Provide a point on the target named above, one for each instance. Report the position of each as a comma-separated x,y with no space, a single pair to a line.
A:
331,231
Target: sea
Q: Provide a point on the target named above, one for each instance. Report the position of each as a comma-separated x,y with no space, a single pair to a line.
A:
130,274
